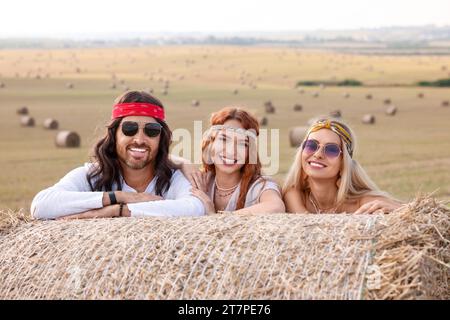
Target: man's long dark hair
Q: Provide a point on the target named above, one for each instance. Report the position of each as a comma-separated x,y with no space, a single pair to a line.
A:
106,170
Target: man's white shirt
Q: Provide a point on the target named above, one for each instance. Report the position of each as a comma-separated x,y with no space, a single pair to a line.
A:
73,194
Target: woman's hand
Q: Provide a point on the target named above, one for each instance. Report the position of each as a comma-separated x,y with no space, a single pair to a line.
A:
200,181
207,202
380,205
191,172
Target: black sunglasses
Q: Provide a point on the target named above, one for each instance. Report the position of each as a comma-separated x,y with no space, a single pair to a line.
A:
331,150
151,129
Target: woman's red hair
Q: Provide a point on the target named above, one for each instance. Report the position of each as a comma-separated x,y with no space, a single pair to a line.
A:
250,172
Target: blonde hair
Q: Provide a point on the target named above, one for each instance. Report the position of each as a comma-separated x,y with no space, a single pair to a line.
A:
353,181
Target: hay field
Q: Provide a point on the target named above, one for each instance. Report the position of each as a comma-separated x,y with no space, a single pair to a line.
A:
404,154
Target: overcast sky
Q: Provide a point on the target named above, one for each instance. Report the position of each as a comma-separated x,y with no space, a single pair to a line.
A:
54,18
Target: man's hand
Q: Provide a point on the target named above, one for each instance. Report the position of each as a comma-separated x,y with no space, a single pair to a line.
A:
105,212
133,197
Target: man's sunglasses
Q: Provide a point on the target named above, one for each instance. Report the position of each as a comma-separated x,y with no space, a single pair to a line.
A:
151,129
331,150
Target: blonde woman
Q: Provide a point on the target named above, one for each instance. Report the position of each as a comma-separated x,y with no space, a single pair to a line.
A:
325,178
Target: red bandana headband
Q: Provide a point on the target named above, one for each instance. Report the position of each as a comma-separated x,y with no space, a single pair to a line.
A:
138,109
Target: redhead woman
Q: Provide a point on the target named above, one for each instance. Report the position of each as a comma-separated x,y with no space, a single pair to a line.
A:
326,178
231,179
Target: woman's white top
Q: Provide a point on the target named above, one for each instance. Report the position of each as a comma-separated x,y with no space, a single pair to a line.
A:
253,195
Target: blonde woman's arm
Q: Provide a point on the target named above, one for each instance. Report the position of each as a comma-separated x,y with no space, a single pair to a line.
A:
377,204
294,202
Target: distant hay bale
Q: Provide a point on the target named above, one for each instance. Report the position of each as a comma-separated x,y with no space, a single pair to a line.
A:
27,121
420,95
165,92
195,103
391,110
368,119
296,136
269,107
301,90
445,103
264,121
2,85
69,85
402,255
346,95
235,91
67,139
336,114
369,96
51,124
315,94
113,86
149,90
387,101
298,107
22,110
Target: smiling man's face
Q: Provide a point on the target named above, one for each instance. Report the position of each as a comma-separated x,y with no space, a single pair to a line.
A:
137,151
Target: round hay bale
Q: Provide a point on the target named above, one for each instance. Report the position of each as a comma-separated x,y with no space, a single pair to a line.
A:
445,103
149,90
315,94
391,110
165,92
27,121
22,110
51,124
301,91
2,85
368,119
269,107
67,139
296,135
235,91
195,103
346,95
264,121
69,85
387,101
113,86
420,95
244,257
369,96
298,107
336,114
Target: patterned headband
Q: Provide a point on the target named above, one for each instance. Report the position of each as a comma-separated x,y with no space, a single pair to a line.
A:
250,133
336,128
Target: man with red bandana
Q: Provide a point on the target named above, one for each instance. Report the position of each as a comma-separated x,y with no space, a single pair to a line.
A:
130,175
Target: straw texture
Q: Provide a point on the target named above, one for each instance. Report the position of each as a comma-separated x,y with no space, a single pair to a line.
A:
403,255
